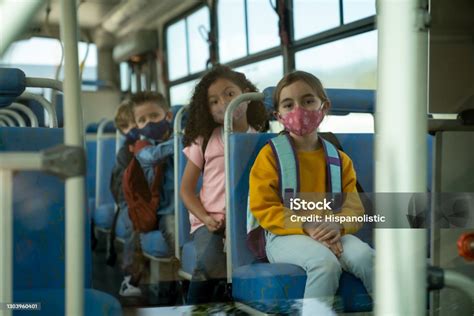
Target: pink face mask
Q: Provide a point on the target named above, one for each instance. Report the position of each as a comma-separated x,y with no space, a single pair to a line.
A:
302,122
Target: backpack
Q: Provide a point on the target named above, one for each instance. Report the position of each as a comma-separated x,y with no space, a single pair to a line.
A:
288,169
142,200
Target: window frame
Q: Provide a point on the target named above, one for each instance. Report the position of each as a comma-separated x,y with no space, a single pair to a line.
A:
342,31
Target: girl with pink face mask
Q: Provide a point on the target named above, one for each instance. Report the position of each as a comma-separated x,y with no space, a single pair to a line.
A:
323,250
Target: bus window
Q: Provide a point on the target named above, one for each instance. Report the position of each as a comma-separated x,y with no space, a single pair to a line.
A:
125,75
311,17
198,27
264,73
176,47
181,94
187,48
44,62
262,26
358,9
232,37
347,63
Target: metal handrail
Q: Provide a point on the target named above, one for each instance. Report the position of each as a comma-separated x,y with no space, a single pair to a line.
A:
228,120
53,119
27,111
177,132
15,115
98,170
7,120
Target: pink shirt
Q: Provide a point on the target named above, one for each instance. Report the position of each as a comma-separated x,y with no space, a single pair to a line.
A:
212,193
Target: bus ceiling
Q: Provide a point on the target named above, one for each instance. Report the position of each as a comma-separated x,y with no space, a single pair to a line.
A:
104,21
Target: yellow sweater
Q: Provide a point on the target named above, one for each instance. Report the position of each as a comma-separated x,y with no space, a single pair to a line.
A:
264,190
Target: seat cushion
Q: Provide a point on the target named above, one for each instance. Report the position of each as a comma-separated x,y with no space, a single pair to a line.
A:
354,297
104,215
188,257
271,287
268,287
52,302
154,244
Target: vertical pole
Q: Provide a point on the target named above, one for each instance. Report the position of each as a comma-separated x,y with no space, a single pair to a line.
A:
6,240
401,151
75,187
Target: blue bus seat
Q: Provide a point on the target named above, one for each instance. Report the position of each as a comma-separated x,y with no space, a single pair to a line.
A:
103,215
91,156
154,244
12,85
39,230
276,282
92,128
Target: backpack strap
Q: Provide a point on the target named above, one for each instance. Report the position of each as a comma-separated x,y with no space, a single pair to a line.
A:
287,164
333,167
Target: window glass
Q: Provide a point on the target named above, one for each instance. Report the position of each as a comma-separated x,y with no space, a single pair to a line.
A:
232,38
124,76
348,63
176,49
263,26
315,16
181,94
40,57
358,9
265,73
198,26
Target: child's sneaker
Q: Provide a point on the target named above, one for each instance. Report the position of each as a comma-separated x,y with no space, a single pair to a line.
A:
126,289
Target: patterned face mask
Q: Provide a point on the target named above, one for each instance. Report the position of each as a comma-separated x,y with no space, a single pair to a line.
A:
302,122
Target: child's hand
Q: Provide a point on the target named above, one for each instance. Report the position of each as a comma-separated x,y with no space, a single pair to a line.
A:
336,248
213,225
329,232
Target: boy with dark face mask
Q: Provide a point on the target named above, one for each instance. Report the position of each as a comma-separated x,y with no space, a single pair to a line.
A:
155,150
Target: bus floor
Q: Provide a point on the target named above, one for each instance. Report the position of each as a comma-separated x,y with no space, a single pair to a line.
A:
108,279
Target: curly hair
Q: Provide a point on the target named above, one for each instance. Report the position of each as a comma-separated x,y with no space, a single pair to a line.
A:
201,122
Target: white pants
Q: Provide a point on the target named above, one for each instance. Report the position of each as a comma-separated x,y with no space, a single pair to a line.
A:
322,267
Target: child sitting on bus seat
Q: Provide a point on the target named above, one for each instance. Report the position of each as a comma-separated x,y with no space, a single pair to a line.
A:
125,123
204,149
322,250
153,119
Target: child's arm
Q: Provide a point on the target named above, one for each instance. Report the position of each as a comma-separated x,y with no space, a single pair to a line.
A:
150,155
191,201
264,199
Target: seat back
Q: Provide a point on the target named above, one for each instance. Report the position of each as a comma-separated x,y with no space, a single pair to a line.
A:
39,216
91,153
105,165
12,85
245,148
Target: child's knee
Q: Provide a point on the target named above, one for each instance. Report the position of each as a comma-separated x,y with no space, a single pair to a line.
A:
327,265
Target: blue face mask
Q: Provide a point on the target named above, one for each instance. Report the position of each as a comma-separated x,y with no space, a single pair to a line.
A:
133,135
156,131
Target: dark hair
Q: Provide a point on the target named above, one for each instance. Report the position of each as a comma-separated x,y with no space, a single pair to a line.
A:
147,96
295,76
201,122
